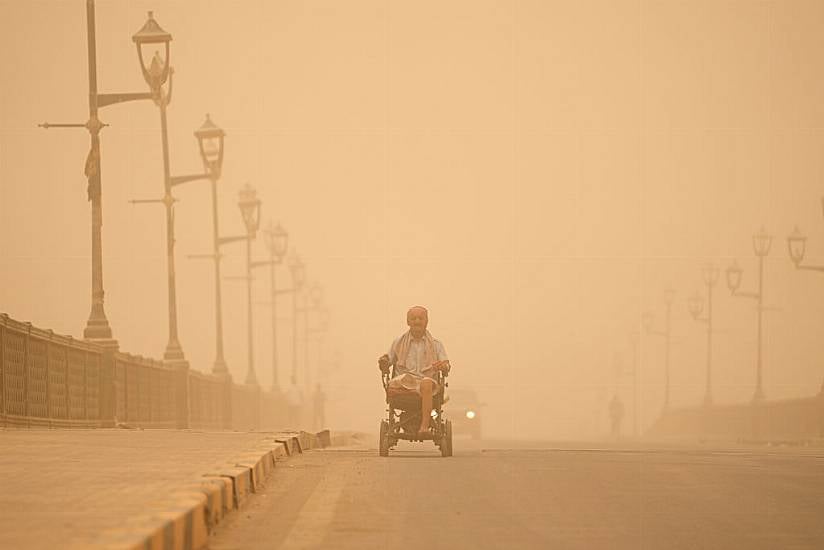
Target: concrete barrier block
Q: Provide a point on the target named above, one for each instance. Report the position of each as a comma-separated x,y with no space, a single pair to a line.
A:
241,478
292,444
226,491
260,466
305,439
218,492
324,438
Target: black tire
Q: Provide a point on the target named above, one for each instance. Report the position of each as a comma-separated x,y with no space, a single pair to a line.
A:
446,439
383,448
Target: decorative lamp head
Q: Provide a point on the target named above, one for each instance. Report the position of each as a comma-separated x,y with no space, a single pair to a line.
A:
761,242
210,142
796,245
250,209
153,52
734,276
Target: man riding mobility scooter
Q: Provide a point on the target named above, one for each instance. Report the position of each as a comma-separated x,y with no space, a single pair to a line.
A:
415,389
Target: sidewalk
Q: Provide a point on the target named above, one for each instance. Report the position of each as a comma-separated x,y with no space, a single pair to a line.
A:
115,488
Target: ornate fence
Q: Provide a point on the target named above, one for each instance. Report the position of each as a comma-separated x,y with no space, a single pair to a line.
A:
52,380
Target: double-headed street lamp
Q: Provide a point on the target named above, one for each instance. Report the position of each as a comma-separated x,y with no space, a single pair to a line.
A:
797,246
647,321
710,273
97,326
761,243
276,240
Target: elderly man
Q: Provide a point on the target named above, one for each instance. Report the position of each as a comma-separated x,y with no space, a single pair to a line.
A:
417,358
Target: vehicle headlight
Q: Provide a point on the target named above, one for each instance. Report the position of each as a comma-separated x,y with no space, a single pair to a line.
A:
434,414
470,414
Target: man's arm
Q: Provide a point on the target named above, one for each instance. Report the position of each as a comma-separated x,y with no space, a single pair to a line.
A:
443,359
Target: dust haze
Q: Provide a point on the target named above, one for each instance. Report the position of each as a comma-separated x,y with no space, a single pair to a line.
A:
537,174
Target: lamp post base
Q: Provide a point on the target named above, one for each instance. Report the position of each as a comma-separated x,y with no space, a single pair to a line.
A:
173,353
220,367
108,344
97,328
251,378
759,396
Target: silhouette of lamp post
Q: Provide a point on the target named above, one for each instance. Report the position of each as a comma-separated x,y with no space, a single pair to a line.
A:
312,303
647,321
210,140
298,272
761,243
97,326
696,307
276,240
797,247
157,72
250,210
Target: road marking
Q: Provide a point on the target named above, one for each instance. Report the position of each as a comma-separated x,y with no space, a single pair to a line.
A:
317,512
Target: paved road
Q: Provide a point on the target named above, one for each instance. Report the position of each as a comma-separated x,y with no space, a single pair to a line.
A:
548,496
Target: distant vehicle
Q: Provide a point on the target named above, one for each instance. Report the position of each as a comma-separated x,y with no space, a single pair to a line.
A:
464,410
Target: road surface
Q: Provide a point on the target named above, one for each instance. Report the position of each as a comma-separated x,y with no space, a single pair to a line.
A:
570,496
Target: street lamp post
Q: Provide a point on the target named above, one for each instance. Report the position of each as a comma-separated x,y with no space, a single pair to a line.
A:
761,243
797,246
313,302
157,72
633,340
298,271
250,210
647,320
210,143
97,326
696,307
276,239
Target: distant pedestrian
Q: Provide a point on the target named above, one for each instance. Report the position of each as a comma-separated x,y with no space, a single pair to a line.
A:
294,402
318,406
616,415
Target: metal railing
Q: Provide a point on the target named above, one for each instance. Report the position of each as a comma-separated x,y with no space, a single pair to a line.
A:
56,381
50,380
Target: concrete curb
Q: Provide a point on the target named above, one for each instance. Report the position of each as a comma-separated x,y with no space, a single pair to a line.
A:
183,519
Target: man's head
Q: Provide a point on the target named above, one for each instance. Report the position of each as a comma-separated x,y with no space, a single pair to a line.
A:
417,318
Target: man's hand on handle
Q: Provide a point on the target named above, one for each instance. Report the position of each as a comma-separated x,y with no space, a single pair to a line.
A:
442,366
383,363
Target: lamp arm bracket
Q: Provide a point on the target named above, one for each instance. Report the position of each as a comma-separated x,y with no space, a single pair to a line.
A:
751,295
284,291
201,256
227,240
146,201
810,267
177,180
104,100
261,263
47,125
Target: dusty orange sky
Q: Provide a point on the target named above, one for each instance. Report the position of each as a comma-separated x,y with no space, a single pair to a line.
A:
535,173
